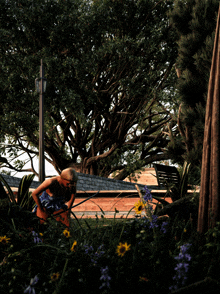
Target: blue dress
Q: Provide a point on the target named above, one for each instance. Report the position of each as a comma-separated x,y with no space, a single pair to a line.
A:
51,203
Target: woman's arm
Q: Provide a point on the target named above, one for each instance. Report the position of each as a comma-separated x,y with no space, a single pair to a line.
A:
41,211
73,195
71,201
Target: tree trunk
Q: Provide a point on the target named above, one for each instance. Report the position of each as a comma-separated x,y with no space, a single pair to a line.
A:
209,205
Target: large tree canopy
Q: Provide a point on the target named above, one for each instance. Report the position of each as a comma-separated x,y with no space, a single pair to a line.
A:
194,22
110,71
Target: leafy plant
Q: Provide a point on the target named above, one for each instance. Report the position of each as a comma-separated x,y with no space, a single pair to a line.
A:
141,255
183,203
23,197
3,194
178,191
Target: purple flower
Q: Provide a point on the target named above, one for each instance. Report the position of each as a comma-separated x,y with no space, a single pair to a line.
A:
94,255
163,229
147,195
101,252
183,256
185,247
30,289
88,249
173,288
182,267
93,261
187,257
105,277
153,223
36,238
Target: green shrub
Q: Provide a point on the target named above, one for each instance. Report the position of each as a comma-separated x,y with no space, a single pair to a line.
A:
145,254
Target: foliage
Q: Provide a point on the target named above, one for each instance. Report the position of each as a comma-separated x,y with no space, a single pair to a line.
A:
23,196
110,72
88,267
178,191
194,22
3,194
141,254
184,205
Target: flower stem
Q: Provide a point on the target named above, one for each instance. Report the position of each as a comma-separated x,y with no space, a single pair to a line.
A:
62,276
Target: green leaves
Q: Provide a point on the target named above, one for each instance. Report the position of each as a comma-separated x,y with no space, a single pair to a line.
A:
10,193
105,61
23,197
194,23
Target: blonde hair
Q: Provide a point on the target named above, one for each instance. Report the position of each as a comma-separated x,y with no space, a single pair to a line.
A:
69,174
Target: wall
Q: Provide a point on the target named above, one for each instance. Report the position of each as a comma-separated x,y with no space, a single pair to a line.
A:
122,195
85,183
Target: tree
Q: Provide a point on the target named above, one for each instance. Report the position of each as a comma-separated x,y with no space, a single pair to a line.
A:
110,70
194,22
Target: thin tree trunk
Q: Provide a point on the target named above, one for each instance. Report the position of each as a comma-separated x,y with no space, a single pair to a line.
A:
209,205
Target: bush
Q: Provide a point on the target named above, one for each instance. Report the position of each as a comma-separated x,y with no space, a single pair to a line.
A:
147,253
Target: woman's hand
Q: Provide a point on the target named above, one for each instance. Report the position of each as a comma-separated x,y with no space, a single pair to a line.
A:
62,216
42,214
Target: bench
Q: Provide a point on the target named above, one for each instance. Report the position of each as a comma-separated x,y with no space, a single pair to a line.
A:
166,175
169,178
177,186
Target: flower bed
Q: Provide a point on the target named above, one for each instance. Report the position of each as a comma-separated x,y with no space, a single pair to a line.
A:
145,254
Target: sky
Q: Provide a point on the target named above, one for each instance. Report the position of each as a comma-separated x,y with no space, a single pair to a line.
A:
49,170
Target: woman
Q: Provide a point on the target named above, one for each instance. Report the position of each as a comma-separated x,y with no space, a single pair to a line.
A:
58,194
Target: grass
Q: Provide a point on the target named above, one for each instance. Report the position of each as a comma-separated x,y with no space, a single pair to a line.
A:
93,222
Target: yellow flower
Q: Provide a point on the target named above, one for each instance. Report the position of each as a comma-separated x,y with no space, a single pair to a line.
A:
41,234
54,277
138,207
4,239
66,233
73,248
122,248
